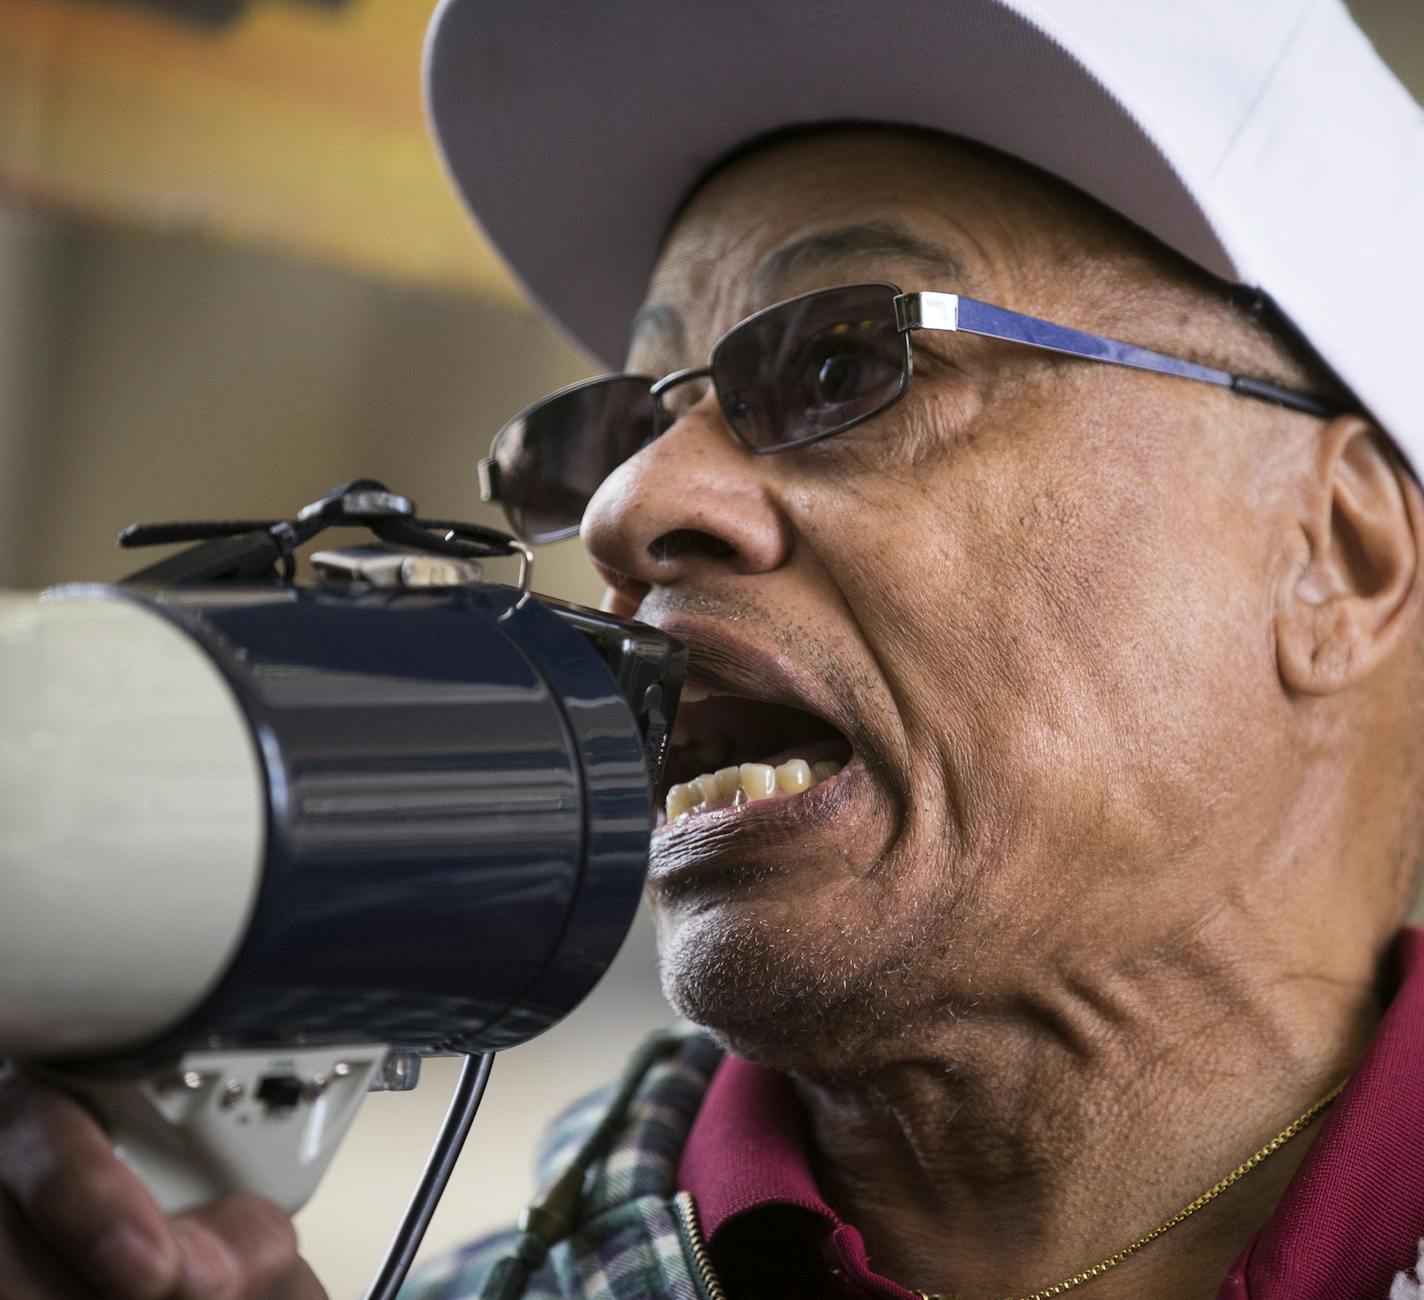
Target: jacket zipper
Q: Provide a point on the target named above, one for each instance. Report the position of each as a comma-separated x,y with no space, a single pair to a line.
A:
695,1247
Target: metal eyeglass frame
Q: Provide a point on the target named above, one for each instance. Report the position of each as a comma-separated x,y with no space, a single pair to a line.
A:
953,313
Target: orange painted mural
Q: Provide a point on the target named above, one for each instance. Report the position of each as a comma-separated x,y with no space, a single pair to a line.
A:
293,125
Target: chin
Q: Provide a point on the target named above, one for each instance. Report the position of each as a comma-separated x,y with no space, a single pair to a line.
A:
787,994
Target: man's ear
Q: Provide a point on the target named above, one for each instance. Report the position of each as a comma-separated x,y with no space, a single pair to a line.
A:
1362,517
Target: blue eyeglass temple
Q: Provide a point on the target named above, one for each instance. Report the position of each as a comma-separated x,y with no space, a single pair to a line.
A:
951,311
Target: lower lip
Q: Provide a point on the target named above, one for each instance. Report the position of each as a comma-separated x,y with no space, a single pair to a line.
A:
735,836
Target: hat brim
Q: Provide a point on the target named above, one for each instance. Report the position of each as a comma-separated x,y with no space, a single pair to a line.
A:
573,131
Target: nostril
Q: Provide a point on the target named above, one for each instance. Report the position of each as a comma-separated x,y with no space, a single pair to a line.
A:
689,543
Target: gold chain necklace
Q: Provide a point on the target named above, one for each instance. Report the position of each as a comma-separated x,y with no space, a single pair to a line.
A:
1186,1212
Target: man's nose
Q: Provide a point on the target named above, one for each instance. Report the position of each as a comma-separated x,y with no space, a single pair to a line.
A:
694,501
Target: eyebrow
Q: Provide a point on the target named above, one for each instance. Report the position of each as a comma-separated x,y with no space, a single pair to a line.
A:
876,239
661,321
870,240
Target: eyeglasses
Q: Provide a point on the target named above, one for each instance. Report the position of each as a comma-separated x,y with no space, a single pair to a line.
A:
792,374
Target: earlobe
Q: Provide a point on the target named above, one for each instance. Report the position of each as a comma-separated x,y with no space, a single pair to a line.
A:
1342,612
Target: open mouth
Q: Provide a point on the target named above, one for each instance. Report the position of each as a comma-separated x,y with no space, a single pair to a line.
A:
729,750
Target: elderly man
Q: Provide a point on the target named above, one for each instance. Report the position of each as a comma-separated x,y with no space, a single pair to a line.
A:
1048,799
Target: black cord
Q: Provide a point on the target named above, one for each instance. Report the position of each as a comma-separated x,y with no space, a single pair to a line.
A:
439,1165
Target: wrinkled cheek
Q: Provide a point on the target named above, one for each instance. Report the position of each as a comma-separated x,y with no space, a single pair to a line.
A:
1003,608
1014,749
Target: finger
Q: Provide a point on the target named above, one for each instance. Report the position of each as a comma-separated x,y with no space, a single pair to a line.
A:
243,1248
79,1197
28,1270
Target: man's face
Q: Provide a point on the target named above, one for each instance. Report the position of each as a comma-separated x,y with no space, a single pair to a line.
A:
1033,598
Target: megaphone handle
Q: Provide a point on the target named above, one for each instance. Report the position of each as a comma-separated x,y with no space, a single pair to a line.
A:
224,1122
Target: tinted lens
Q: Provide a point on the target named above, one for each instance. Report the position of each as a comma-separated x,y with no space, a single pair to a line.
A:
812,366
553,456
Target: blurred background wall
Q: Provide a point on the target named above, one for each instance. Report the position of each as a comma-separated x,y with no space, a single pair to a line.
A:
196,324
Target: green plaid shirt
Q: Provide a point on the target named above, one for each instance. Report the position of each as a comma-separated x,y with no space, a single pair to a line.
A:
625,1240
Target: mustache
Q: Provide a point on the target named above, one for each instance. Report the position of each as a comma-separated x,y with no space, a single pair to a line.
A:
669,605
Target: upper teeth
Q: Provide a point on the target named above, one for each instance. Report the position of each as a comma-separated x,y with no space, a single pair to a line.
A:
746,784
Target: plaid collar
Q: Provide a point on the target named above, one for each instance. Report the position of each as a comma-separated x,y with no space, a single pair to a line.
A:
618,1236
674,1070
